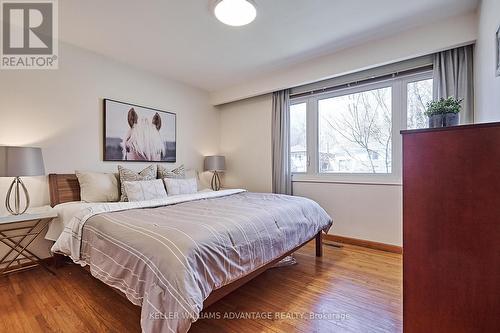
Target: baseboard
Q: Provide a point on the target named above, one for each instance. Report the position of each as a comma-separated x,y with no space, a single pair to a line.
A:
364,243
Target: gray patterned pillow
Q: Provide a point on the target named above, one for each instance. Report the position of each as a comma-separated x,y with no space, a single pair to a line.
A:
178,173
127,175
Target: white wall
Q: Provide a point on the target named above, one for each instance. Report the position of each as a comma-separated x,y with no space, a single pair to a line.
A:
362,211
61,111
404,45
245,140
487,85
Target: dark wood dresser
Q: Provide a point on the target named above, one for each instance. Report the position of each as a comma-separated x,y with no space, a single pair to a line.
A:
451,229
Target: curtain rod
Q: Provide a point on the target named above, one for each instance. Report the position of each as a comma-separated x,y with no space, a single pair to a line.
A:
365,81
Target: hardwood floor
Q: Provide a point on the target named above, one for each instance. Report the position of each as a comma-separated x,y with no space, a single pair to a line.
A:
353,288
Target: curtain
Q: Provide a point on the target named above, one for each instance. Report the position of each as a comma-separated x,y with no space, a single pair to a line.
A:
281,173
453,77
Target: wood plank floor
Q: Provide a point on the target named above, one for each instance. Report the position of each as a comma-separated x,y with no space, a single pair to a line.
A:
351,289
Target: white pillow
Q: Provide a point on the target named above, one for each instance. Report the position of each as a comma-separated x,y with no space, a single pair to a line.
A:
145,190
181,186
98,187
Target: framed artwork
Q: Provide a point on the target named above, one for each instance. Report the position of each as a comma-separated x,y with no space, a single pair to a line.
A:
498,51
137,133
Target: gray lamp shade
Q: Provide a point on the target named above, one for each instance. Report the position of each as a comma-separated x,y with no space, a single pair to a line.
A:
215,163
21,161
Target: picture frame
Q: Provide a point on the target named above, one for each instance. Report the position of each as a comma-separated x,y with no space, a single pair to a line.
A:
498,51
135,133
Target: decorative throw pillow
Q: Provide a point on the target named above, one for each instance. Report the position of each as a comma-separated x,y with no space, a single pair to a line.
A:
180,186
127,175
98,187
145,190
178,172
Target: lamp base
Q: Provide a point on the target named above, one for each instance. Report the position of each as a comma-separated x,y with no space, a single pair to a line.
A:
16,185
215,184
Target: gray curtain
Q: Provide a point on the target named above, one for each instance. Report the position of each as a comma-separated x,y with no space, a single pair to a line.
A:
454,77
282,176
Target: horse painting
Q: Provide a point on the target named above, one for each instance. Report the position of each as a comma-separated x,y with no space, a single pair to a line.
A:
135,133
143,141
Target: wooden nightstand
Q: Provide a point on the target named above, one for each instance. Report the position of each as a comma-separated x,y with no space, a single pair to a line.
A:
18,232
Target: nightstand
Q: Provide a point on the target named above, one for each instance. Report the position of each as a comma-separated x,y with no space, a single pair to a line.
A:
18,232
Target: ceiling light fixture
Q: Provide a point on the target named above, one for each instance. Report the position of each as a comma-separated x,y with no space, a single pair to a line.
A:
235,12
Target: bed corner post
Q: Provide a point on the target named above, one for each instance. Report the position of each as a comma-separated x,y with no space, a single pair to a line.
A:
319,244
53,190
58,260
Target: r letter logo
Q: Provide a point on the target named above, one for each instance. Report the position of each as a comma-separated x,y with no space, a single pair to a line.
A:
29,35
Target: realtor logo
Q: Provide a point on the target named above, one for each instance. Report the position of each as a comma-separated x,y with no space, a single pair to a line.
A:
29,34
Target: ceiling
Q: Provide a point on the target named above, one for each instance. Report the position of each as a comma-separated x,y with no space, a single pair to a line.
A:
181,39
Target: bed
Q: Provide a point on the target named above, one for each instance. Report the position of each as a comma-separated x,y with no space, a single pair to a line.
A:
176,256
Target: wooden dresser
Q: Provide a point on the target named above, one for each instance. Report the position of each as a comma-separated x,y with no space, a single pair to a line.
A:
451,229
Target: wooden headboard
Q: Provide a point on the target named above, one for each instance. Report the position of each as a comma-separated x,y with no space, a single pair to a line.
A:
63,188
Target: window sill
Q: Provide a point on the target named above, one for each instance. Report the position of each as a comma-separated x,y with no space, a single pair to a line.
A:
361,179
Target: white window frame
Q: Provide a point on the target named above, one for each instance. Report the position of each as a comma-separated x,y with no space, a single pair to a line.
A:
309,124
399,122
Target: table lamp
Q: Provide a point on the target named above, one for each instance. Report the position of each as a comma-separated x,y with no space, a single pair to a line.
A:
215,164
16,162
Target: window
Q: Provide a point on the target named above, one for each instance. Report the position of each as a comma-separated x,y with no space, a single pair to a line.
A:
419,94
298,139
352,133
355,132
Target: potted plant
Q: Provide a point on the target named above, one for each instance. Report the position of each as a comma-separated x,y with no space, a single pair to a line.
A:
443,112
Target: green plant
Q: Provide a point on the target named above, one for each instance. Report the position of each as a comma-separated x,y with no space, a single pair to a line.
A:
444,105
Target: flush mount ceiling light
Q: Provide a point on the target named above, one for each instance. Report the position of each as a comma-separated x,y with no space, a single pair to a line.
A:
235,12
